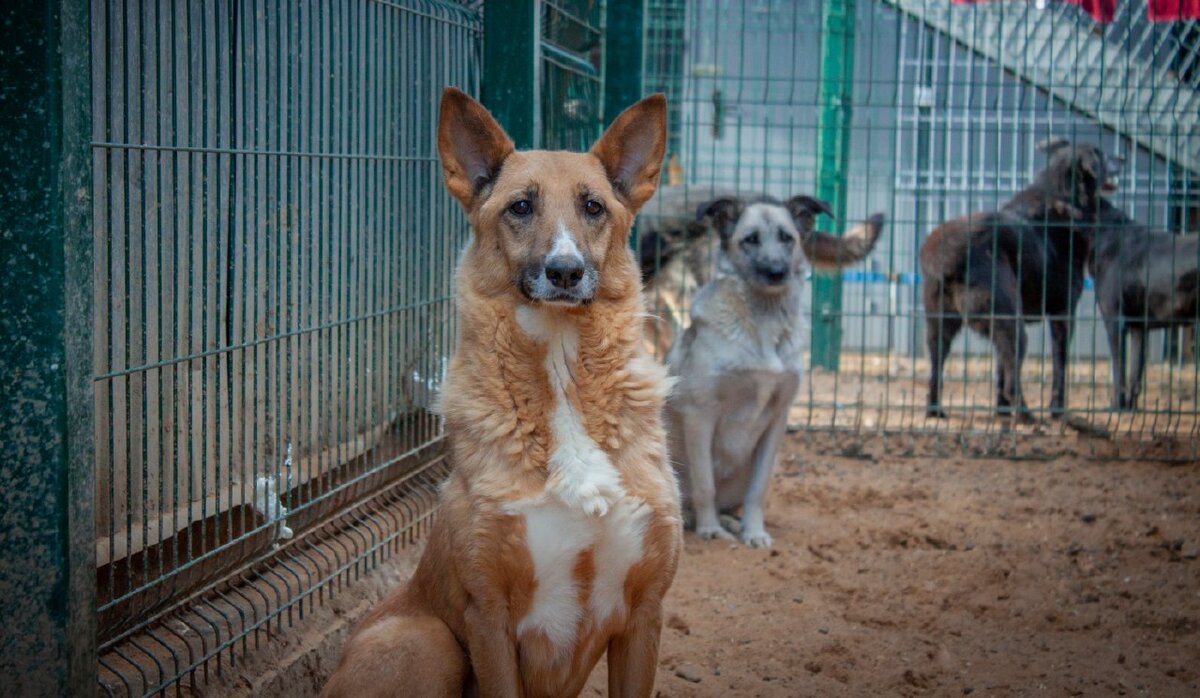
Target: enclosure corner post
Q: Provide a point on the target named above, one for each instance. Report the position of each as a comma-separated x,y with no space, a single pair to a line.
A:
47,553
833,148
509,86
623,41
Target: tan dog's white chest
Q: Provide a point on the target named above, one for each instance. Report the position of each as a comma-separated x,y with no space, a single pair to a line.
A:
556,536
581,474
584,508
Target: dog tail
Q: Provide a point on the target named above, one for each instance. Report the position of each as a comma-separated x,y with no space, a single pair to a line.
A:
827,251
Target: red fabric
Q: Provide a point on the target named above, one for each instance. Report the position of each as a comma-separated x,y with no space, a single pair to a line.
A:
1169,10
1100,10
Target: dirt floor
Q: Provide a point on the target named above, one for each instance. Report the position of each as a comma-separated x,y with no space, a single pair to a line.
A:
899,576
947,577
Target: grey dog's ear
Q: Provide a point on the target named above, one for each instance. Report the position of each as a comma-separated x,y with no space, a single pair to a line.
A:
1052,143
724,213
807,207
1097,164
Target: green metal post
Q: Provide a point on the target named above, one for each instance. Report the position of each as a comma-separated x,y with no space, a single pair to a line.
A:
623,40
47,529
833,152
511,53
663,61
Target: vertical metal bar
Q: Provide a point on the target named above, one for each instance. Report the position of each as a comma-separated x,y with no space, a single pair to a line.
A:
833,152
47,563
511,64
622,56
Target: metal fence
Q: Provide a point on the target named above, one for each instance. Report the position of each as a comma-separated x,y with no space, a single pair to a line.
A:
272,288
272,310
264,248
927,110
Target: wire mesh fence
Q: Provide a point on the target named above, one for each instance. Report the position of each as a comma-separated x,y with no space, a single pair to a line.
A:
944,112
572,77
273,310
273,251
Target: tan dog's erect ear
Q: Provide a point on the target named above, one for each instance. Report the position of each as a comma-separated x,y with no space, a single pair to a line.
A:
632,150
472,147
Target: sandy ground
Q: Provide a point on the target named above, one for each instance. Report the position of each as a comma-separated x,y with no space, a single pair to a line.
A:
898,576
947,577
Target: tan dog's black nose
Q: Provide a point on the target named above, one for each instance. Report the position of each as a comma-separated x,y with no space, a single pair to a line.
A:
564,271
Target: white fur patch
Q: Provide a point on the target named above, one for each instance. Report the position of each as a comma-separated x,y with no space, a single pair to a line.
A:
581,475
556,535
564,243
621,547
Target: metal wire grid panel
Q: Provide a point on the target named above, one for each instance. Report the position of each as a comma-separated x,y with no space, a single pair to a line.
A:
572,41
273,310
947,103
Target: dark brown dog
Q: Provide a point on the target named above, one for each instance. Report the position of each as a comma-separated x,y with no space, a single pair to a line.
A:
997,271
1145,279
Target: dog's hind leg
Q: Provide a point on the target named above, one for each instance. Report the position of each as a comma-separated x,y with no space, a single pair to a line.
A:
1002,403
941,327
401,656
1137,368
1060,339
1010,341
1116,349
1000,319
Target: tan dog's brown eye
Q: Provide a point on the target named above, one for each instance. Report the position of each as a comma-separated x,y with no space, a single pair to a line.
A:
522,208
593,207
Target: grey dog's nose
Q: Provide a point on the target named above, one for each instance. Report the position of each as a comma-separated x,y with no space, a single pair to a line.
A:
564,271
775,272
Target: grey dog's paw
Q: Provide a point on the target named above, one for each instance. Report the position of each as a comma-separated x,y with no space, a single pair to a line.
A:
714,533
731,523
756,539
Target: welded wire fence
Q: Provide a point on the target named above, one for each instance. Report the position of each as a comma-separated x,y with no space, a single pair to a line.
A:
273,310
946,107
571,72
273,251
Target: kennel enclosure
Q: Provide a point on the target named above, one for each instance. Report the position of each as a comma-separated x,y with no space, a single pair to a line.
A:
229,258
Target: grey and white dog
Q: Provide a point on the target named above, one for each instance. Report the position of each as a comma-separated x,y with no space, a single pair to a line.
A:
739,363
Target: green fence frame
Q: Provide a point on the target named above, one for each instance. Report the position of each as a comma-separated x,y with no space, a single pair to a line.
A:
833,155
47,567
509,84
526,64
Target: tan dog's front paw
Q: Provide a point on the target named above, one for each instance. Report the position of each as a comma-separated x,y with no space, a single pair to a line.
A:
592,495
584,479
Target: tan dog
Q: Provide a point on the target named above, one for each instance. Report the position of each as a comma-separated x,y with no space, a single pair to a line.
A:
559,529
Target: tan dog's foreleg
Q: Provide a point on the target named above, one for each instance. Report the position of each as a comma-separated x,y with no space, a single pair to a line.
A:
493,652
633,655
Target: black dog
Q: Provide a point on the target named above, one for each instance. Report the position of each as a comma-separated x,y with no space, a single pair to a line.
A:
999,270
1145,280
